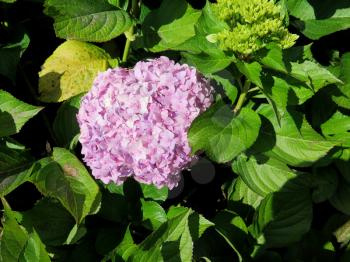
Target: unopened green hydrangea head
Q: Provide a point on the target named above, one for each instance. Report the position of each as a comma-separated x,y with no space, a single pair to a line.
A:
252,24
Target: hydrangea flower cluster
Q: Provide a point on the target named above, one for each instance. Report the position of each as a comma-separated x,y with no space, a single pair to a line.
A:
134,122
252,24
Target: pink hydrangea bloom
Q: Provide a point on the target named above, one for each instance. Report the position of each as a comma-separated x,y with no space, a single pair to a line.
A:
134,122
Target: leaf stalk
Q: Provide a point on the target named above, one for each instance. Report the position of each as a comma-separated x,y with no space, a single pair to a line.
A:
135,9
242,97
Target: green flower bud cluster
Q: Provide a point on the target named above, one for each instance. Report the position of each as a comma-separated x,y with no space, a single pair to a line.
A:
252,24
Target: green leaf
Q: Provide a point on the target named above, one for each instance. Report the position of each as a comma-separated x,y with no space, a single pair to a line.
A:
206,25
70,70
153,215
65,125
208,63
16,165
314,75
320,18
205,55
343,99
18,244
241,192
173,239
344,68
234,230
13,236
265,175
283,218
209,23
64,177
221,134
337,129
272,57
10,55
295,142
252,71
124,250
34,250
279,85
152,192
286,91
14,113
170,25
230,89
8,183
75,234
175,211
87,20
50,220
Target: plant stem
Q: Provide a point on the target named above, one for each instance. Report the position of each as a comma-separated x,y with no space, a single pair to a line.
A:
135,8
254,89
127,45
242,97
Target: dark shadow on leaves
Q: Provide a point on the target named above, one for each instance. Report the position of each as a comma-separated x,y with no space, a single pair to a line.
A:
212,245
154,237
327,8
321,112
298,118
52,83
67,128
239,238
133,193
114,207
193,224
7,124
171,251
266,139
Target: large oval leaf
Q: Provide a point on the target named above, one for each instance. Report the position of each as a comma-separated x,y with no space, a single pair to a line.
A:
264,175
70,70
283,218
87,20
64,177
296,143
221,134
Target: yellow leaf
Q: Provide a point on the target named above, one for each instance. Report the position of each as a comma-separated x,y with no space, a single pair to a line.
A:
70,70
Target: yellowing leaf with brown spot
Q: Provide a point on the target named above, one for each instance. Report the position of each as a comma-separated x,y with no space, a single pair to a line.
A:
71,70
